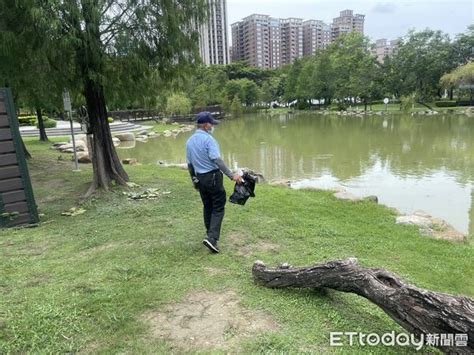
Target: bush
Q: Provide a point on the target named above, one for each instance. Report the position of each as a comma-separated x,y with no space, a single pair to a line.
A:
236,106
463,103
302,105
27,120
446,103
408,102
338,106
178,104
48,123
225,103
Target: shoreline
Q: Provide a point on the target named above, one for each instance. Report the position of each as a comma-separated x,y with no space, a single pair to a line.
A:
134,257
429,226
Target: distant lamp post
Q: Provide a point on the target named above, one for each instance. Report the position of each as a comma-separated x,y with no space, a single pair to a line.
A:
386,101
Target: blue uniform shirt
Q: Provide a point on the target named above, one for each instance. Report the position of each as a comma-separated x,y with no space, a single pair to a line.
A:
201,150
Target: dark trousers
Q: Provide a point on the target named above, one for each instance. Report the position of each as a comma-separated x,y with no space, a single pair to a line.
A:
213,196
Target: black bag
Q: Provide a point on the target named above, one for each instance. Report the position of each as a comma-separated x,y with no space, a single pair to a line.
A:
243,191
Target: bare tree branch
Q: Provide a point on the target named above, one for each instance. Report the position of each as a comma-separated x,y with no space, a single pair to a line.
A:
416,310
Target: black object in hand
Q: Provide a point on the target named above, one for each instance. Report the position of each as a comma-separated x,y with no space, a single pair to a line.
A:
243,191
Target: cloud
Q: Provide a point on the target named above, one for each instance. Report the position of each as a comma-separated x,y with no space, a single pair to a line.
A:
386,8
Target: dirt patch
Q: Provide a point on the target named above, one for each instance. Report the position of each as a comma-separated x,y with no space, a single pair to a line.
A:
255,249
237,239
243,247
28,249
215,271
7,244
207,320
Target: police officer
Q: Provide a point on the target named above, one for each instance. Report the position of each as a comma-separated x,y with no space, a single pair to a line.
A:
206,168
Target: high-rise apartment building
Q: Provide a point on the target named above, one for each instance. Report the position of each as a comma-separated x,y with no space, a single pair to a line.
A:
267,42
316,36
383,48
275,43
291,40
347,22
251,40
213,44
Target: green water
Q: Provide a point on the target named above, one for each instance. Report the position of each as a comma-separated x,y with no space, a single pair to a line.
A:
411,163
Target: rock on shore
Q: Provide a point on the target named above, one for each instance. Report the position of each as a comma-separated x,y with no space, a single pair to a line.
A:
432,227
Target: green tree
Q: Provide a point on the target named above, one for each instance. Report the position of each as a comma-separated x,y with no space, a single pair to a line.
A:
266,93
303,88
322,83
291,82
25,66
352,67
83,37
251,92
463,47
241,70
234,88
390,80
461,76
207,85
422,58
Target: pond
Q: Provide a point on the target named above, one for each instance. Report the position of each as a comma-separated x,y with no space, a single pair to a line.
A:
409,162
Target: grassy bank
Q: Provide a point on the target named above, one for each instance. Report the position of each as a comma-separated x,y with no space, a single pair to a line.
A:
84,283
393,108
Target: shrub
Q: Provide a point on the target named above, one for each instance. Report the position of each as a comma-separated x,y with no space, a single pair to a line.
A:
48,123
27,120
463,103
408,102
302,105
178,104
236,106
446,103
225,103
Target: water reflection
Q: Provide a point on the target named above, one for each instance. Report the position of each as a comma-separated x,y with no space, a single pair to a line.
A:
409,162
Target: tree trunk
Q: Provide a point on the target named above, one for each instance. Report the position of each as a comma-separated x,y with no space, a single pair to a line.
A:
105,162
42,131
416,310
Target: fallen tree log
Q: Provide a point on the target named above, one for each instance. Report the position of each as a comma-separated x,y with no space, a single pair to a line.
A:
420,312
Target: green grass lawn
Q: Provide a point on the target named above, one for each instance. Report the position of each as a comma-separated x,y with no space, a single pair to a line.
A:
83,283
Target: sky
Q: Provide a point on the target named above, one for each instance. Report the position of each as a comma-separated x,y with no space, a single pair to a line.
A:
383,19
